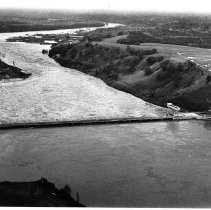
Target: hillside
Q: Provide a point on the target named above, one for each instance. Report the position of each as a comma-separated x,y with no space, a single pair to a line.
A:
146,73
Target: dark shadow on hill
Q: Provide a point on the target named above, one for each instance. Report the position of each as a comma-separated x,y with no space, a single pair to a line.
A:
41,193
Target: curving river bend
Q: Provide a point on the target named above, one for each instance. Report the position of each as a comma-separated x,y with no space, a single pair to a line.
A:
139,164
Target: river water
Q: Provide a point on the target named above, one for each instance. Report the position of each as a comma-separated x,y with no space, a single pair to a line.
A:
138,164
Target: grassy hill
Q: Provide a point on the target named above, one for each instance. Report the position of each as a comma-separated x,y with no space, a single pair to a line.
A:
155,76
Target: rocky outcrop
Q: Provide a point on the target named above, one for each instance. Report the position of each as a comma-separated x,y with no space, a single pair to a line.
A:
9,72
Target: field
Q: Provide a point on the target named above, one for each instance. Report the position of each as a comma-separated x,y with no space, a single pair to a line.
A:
200,55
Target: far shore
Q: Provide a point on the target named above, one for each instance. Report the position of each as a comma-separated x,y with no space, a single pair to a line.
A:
25,28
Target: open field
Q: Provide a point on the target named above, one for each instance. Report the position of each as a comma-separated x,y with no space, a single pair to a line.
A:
200,55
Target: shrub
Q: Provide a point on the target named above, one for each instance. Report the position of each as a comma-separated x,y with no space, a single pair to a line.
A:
153,59
148,71
135,38
163,76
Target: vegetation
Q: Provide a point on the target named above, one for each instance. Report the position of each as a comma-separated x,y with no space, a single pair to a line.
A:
45,38
135,38
188,30
106,63
138,37
143,73
102,33
32,20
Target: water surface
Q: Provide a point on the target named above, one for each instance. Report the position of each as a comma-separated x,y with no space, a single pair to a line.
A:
138,164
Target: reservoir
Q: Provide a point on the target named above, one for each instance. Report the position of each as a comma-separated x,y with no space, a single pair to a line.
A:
138,165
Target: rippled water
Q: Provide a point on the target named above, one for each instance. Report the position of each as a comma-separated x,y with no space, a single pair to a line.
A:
145,164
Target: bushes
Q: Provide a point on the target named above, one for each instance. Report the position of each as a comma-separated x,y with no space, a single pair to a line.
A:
173,66
120,33
101,33
165,36
107,63
163,76
153,59
135,38
131,60
148,71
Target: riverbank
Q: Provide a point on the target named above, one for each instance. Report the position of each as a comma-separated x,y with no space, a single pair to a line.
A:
181,117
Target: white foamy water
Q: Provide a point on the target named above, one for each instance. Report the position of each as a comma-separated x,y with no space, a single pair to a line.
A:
57,93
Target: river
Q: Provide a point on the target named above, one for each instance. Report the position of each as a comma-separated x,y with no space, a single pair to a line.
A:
138,164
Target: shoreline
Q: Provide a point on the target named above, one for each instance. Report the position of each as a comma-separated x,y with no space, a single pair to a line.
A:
88,122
